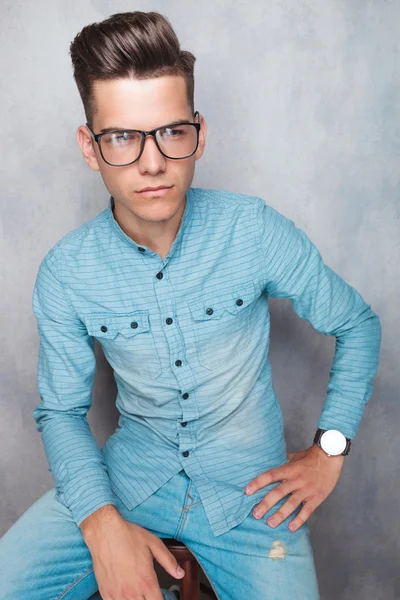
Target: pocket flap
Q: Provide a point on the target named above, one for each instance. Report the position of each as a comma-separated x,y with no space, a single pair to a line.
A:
109,325
212,304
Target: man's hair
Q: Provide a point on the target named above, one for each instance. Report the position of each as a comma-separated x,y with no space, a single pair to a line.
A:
135,44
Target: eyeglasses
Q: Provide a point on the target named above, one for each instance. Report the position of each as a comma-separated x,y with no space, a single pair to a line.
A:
122,147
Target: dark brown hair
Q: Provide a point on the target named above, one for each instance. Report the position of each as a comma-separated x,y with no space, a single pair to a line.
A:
130,44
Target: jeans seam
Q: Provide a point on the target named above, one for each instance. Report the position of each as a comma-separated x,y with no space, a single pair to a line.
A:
74,583
183,513
193,505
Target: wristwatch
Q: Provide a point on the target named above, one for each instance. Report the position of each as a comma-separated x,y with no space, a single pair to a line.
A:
332,442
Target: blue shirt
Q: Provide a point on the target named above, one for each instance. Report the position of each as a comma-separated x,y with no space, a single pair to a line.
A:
187,337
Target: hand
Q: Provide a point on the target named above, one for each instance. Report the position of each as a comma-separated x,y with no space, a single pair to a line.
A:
122,554
309,476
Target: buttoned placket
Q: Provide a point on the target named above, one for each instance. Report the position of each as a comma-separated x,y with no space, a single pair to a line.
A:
164,293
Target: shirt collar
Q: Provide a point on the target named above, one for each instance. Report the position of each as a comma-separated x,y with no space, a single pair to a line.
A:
186,217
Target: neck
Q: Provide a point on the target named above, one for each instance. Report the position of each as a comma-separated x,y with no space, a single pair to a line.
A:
156,235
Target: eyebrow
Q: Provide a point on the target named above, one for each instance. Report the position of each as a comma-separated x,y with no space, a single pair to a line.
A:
108,129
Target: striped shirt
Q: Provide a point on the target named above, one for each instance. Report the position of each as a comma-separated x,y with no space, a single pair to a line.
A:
187,337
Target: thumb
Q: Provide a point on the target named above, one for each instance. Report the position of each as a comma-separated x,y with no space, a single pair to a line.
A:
167,559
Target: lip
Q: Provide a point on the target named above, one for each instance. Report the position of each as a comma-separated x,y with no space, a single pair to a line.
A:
158,191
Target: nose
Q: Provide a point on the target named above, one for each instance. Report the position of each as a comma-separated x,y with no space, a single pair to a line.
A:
151,159
153,143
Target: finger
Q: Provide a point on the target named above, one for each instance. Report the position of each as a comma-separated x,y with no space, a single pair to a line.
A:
285,510
276,474
304,514
166,558
279,492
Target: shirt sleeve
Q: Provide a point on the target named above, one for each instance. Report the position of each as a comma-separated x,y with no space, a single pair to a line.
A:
293,268
66,367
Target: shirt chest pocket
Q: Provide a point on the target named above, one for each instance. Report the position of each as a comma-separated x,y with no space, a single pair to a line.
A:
222,325
127,340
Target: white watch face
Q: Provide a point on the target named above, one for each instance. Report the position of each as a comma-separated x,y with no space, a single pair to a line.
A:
333,442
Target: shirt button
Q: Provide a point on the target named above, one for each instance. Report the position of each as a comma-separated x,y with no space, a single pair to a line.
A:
184,423
185,396
159,275
141,249
186,453
209,311
168,321
178,363
103,328
134,324
239,302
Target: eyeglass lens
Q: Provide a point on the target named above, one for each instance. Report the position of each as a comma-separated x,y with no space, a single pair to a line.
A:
121,147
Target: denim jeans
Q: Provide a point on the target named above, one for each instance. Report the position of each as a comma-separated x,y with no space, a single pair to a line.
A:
43,555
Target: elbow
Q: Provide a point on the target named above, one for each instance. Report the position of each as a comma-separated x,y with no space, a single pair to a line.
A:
373,323
371,330
45,412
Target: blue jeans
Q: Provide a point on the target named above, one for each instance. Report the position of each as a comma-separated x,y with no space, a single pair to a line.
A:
43,555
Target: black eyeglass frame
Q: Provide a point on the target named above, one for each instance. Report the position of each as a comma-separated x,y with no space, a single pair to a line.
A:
97,137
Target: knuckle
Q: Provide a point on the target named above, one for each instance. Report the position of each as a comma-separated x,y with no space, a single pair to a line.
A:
301,481
263,506
305,512
314,500
292,502
312,497
301,518
311,507
268,500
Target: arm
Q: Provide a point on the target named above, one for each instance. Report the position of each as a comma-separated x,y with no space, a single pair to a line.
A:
293,268
66,368
122,552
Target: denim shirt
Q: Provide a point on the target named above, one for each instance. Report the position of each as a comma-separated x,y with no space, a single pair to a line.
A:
187,337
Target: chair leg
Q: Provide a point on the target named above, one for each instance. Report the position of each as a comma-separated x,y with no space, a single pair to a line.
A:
190,583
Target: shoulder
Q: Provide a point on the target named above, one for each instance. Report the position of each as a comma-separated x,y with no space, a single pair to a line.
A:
263,215
247,202
225,198
224,206
80,240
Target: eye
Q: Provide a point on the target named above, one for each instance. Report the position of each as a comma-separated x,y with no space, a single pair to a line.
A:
172,132
121,138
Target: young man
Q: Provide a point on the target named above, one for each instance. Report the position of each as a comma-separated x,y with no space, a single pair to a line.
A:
174,284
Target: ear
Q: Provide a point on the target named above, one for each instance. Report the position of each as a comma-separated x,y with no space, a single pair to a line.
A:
88,147
202,136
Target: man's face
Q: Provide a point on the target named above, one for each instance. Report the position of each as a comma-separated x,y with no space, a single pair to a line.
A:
143,104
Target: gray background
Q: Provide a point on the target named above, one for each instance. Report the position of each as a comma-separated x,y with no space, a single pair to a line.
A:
302,104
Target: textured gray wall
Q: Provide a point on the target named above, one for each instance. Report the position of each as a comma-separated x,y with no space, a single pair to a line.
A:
302,104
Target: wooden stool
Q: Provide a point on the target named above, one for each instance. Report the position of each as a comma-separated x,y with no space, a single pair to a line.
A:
190,585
